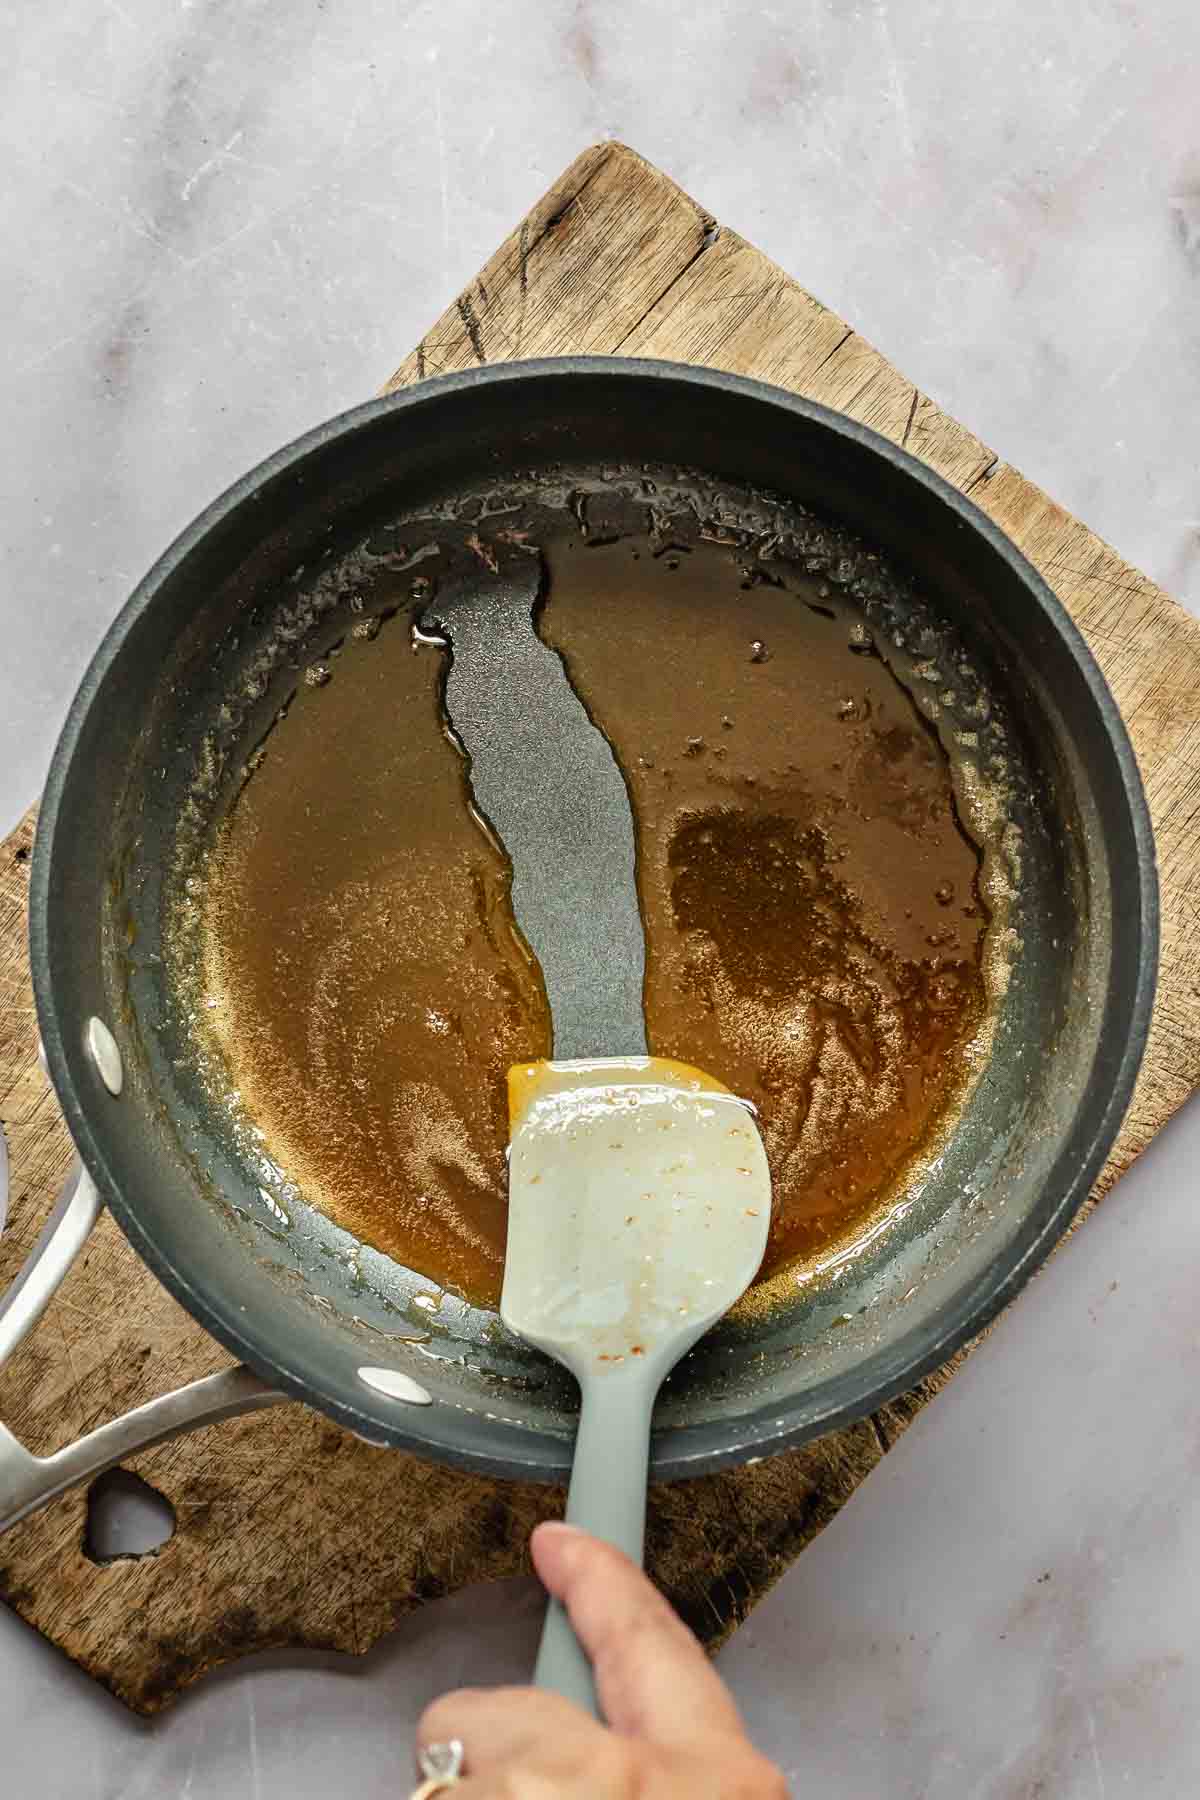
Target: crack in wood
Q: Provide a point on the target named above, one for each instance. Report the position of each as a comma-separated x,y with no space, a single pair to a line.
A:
710,232
561,212
466,313
526,245
985,474
912,413
841,343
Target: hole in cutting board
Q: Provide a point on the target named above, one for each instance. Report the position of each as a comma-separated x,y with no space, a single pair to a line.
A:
126,1517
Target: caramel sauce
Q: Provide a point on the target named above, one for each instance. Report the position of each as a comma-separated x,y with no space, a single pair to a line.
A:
814,930
813,923
365,986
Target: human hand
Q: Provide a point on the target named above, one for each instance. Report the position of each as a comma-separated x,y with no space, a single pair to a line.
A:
673,1730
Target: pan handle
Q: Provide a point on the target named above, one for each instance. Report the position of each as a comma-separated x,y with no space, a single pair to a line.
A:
28,1482
61,1239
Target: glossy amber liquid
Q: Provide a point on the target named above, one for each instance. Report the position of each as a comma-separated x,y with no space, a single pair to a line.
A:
813,923
814,930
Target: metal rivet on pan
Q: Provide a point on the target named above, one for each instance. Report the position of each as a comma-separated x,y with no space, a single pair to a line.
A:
396,1386
102,1048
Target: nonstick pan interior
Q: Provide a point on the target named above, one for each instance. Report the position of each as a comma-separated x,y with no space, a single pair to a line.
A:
302,1303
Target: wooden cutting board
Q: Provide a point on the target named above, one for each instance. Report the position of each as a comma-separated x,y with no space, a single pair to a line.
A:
289,1531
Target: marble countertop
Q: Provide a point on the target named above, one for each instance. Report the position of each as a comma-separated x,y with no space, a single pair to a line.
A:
225,223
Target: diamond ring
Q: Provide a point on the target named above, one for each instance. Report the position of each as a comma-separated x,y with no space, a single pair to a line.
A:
440,1766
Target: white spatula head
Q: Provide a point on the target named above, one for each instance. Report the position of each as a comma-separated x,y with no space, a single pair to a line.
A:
639,1204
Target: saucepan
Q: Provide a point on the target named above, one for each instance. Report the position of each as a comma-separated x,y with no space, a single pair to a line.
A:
308,1323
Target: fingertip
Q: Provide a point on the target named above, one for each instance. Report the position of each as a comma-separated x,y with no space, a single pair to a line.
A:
557,1528
549,1543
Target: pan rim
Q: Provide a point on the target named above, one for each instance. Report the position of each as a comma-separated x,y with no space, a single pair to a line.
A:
687,1450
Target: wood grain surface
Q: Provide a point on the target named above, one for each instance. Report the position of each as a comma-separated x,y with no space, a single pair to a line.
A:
290,1531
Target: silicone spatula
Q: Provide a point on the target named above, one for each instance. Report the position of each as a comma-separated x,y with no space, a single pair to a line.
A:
638,1205
639,1195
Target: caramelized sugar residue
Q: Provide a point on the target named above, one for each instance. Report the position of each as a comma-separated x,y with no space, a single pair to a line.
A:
364,984
814,930
813,921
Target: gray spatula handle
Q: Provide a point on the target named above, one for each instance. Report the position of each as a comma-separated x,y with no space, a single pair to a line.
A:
608,1498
